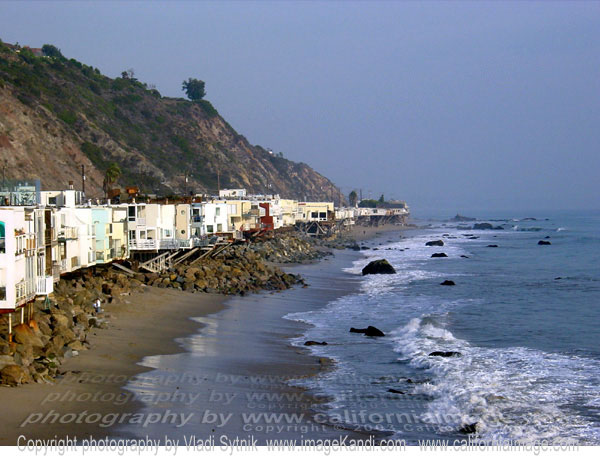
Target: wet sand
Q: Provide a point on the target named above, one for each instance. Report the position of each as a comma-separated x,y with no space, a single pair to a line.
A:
369,232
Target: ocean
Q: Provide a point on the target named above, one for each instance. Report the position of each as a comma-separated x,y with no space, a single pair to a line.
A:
524,319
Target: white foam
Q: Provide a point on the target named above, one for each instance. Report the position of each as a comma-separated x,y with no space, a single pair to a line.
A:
515,392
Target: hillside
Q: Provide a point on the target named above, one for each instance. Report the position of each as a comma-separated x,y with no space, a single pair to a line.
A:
57,114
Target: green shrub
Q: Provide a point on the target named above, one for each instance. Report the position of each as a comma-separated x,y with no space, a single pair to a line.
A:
68,117
208,109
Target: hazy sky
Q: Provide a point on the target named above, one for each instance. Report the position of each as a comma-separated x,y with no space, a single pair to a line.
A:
457,105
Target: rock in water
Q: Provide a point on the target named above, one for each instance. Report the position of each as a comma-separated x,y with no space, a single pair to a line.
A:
439,353
448,282
315,343
395,391
439,243
468,429
492,245
378,267
483,226
369,331
544,243
439,255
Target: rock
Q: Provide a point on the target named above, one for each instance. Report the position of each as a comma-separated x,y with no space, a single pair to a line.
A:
439,353
439,243
378,267
23,334
395,391
492,245
448,282
6,360
544,243
483,226
460,218
439,255
14,375
315,343
369,331
468,429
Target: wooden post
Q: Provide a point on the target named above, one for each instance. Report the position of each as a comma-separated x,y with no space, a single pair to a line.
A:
10,327
22,314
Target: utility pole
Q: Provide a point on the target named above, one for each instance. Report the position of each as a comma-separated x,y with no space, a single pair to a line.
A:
219,179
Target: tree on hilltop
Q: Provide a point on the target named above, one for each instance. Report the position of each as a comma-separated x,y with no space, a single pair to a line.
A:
353,198
194,89
51,51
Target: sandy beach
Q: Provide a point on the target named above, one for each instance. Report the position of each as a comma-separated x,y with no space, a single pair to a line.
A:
168,354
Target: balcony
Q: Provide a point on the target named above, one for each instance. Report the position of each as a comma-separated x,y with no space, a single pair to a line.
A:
45,285
25,291
143,244
68,233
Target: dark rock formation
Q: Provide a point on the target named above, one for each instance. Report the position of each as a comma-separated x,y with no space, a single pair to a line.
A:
395,391
369,331
483,226
544,243
378,267
439,353
439,243
315,343
439,255
468,429
448,282
492,245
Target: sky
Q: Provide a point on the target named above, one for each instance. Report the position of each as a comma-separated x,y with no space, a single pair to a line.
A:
451,105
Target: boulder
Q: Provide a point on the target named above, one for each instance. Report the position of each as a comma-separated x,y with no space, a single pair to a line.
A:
544,243
378,267
483,226
464,256
395,391
448,282
468,429
23,334
439,243
14,375
439,255
6,360
492,245
315,343
439,353
368,331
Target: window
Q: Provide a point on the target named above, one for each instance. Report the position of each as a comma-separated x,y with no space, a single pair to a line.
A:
219,227
314,214
209,228
322,214
217,211
131,213
132,235
182,232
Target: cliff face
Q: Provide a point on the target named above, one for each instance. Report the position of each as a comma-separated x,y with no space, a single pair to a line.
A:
57,115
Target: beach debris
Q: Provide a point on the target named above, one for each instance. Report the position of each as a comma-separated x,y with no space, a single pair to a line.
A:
438,243
378,267
368,331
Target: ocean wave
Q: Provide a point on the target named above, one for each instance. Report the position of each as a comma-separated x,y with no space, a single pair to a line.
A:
515,392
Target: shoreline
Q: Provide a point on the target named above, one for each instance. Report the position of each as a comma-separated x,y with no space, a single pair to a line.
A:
143,327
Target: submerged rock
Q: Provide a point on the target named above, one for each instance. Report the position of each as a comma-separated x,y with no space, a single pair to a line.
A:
378,267
544,243
448,282
369,331
395,391
492,245
483,226
439,255
315,343
439,243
